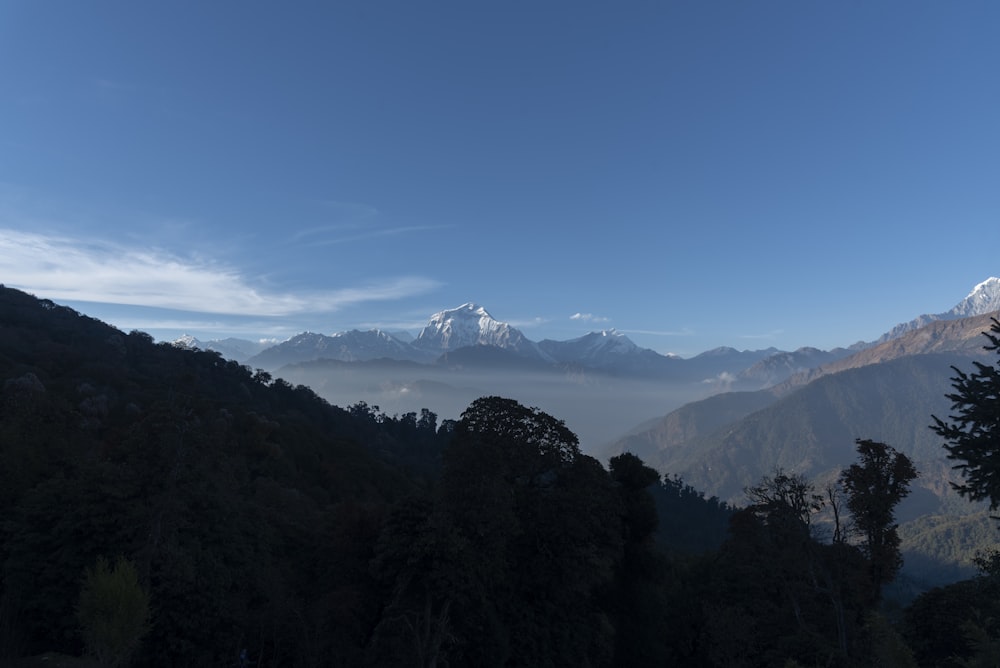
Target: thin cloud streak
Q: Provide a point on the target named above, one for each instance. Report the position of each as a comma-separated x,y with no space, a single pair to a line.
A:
653,332
252,331
61,267
376,234
589,317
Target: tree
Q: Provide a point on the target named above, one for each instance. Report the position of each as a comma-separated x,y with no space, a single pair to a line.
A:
541,531
638,598
874,487
973,432
421,558
785,501
113,611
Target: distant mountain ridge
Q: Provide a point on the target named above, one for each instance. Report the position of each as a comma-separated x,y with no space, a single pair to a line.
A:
464,336
230,348
349,346
808,423
610,351
960,339
984,298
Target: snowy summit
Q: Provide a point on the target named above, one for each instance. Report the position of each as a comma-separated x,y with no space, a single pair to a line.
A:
472,325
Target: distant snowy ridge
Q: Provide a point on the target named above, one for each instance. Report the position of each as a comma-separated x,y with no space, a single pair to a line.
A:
187,341
984,298
471,331
472,325
350,346
592,347
230,348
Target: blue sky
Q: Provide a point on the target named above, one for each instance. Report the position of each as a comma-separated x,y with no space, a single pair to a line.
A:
694,174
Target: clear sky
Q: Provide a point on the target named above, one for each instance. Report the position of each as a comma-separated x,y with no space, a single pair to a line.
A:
694,174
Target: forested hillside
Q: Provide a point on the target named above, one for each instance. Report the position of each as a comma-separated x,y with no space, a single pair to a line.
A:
259,517
808,425
166,507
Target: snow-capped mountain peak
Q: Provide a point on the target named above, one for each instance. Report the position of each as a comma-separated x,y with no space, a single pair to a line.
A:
609,341
186,341
231,348
984,298
600,349
472,325
467,325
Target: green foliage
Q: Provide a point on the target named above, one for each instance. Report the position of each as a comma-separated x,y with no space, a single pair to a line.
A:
260,518
778,594
874,487
940,549
230,491
956,624
638,602
113,611
785,501
544,529
887,646
687,522
972,433
984,642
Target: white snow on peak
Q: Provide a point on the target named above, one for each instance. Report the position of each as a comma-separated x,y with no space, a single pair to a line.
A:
472,325
467,325
606,341
991,283
984,298
613,341
186,340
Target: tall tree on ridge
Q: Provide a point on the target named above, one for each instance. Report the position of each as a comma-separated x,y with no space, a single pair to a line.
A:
874,487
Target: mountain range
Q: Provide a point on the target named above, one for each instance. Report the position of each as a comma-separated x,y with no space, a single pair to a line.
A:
808,425
470,326
602,384
721,420
726,417
984,298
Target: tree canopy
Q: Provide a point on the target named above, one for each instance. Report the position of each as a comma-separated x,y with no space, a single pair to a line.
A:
259,521
874,486
972,433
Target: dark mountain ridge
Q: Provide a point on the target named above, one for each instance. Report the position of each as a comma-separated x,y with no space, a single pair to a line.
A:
223,486
258,520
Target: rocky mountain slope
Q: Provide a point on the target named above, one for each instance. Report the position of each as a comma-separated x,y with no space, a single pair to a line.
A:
984,298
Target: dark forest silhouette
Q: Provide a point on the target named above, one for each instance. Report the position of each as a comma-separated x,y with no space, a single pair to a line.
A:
246,521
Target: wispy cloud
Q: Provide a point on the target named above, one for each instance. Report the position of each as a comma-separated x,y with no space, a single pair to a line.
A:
340,234
62,267
589,317
353,221
660,332
262,330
